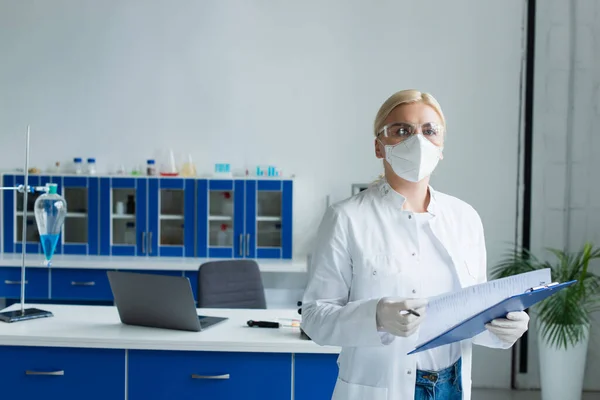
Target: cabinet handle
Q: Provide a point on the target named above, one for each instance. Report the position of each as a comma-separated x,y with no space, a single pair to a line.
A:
150,242
247,245
241,245
47,373
14,282
83,283
143,242
224,376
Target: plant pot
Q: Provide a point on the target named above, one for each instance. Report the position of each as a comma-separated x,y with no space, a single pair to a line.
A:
562,371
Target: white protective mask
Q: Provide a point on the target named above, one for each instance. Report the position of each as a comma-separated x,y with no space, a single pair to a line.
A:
414,158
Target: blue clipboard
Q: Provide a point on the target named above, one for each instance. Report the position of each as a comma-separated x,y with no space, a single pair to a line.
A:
474,325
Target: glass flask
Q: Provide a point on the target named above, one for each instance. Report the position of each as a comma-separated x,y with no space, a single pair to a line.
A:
50,211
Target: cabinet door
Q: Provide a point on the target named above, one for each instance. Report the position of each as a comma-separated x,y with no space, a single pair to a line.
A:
14,221
171,203
314,376
268,219
80,229
123,223
170,375
220,218
36,283
80,284
55,373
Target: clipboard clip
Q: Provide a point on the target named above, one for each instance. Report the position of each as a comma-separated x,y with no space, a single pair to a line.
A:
535,288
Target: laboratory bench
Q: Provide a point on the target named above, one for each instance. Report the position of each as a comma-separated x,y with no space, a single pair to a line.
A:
86,352
83,279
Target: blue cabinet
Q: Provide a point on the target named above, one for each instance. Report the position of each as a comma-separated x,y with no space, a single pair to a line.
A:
123,216
80,284
244,219
315,376
160,217
80,229
171,212
170,375
62,373
36,283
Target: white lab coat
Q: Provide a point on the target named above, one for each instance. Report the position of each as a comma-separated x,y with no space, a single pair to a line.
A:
358,259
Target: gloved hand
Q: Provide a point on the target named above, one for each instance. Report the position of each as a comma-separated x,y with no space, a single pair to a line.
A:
392,316
511,328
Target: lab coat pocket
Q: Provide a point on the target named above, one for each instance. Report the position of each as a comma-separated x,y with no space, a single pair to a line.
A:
378,275
352,391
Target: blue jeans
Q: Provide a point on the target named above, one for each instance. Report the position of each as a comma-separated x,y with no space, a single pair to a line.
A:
439,385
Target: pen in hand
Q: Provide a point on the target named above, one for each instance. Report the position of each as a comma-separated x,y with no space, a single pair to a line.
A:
413,312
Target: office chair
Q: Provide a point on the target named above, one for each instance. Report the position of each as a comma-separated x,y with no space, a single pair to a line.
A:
230,284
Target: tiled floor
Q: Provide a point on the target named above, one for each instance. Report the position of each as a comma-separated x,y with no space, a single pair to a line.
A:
488,394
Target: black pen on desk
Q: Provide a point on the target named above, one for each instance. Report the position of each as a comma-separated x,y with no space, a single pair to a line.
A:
263,324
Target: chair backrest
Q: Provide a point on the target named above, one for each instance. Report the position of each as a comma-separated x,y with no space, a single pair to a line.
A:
230,284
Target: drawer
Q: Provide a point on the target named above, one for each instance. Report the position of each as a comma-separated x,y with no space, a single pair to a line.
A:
315,376
54,373
36,283
157,375
80,284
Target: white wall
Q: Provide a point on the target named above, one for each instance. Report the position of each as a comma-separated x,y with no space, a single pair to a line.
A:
566,191
292,84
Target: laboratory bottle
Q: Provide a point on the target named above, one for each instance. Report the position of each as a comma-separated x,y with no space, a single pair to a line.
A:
151,168
222,236
130,233
91,166
78,167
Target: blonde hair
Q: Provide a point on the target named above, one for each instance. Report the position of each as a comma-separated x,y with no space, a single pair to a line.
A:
405,97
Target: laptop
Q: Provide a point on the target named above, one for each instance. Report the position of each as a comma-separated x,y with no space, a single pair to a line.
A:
157,301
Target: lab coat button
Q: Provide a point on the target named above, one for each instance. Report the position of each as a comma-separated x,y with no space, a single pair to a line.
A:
409,372
414,291
410,216
374,272
414,254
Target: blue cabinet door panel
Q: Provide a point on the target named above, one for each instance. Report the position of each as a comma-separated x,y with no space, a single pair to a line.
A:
166,375
250,220
36,286
271,252
287,207
239,246
138,185
93,215
220,184
314,376
189,217
141,220
269,185
80,284
75,182
153,214
30,247
202,218
55,373
8,213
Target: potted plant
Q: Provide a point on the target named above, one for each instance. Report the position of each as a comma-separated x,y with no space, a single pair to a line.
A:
564,319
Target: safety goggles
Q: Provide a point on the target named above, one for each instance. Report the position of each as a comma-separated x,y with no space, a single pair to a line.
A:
398,131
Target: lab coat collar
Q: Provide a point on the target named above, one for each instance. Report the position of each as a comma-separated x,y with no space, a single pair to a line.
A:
396,200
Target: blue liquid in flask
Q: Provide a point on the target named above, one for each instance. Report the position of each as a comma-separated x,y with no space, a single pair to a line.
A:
49,244
50,211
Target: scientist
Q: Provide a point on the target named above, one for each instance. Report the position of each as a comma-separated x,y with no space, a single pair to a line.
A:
385,251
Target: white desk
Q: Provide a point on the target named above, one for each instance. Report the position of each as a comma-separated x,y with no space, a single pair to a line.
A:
140,263
86,348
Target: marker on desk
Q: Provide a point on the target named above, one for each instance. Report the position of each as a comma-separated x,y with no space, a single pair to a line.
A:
263,324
